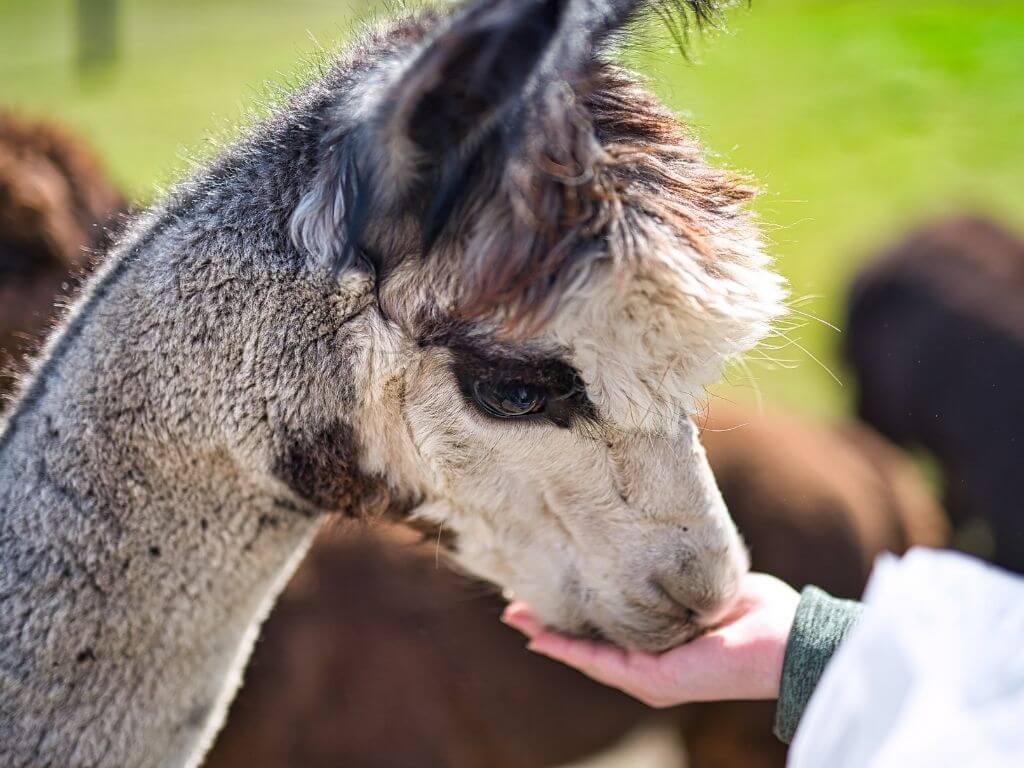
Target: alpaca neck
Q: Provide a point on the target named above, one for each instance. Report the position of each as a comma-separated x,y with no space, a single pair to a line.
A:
138,553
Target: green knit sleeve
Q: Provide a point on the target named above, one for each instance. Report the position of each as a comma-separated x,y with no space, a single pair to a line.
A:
821,624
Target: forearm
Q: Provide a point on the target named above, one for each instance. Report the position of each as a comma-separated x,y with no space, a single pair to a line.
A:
821,624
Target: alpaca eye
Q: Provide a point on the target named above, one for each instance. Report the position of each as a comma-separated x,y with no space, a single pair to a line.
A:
510,399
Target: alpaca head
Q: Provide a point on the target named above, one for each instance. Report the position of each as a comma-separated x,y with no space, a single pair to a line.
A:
558,275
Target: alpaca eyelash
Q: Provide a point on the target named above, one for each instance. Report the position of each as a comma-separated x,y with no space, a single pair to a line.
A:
578,388
566,399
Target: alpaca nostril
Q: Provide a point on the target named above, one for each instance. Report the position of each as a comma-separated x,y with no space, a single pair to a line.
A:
591,631
685,613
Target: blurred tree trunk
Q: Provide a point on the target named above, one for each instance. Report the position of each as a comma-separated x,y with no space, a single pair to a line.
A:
97,33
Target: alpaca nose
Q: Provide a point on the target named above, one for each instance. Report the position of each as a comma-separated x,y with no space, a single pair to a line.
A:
674,597
702,591
696,605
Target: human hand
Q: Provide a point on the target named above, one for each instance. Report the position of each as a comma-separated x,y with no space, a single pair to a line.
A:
741,659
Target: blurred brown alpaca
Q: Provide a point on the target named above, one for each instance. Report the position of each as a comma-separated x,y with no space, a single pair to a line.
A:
55,205
936,339
376,657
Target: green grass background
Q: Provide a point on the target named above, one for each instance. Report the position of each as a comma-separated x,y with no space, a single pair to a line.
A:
858,117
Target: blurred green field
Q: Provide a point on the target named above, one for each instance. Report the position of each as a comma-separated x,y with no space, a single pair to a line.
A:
858,117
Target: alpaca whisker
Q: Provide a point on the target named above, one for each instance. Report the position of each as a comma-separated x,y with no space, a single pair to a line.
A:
813,357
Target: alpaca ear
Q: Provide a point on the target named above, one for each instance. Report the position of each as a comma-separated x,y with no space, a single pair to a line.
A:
476,65
486,60
460,83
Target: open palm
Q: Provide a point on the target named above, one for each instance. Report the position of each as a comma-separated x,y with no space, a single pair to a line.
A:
740,659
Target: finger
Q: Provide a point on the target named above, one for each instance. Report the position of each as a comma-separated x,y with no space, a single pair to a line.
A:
737,610
593,658
519,617
629,671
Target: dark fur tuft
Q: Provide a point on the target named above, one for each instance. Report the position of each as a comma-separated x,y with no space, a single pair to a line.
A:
680,17
608,16
329,219
595,157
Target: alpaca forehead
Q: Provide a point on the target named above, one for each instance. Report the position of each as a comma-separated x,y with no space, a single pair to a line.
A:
638,376
645,340
650,340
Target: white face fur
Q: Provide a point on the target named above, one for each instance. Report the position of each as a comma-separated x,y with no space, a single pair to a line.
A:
611,524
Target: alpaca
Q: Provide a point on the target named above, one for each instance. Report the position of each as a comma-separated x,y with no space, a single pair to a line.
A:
936,340
388,581
809,508
55,199
55,206
369,613
473,276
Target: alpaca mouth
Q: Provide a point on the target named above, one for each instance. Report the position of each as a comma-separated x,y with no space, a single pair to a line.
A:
590,631
661,639
655,632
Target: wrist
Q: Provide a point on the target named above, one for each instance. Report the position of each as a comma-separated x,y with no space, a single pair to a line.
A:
820,625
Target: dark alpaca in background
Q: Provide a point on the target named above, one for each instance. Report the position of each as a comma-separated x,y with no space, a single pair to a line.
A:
815,505
56,205
377,657
936,340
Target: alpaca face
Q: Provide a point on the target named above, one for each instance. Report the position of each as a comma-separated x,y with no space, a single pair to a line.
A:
566,467
559,276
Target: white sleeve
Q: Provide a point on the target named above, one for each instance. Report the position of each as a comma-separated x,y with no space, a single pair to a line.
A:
932,675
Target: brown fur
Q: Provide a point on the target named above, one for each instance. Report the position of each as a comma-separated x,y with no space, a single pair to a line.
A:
54,196
817,505
588,188
55,202
323,470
